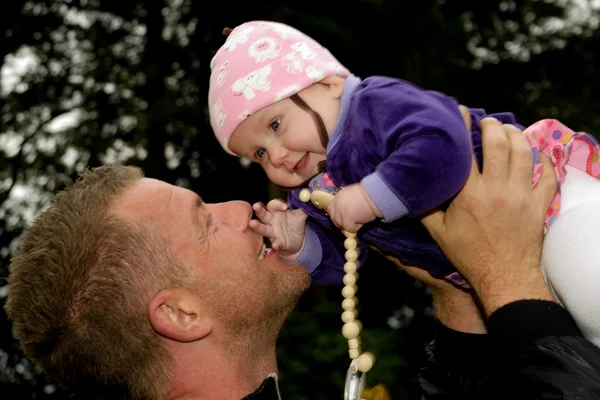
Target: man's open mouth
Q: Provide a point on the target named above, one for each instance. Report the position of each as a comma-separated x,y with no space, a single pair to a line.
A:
265,250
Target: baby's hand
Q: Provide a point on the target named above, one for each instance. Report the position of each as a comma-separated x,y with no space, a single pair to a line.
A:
352,207
285,228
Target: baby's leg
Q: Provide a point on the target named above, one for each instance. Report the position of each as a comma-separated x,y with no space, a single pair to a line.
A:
571,254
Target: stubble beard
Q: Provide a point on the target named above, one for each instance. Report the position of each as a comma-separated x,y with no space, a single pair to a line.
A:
254,312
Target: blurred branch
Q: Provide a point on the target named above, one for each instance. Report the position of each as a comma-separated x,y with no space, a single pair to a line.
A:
16,166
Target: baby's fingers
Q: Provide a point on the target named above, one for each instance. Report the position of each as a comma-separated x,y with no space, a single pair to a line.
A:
261,212
276,244
264,230
351,226
276,205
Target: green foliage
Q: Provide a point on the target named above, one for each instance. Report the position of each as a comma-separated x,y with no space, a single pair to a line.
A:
132,78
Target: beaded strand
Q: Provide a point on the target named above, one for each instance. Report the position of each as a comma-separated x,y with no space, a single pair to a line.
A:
352,325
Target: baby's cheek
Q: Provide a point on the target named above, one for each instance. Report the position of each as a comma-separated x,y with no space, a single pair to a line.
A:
281,177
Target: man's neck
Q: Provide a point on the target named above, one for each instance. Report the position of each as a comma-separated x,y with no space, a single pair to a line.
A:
221,374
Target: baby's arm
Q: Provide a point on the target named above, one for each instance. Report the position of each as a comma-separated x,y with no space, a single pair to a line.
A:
422,142
352,207
323,251
310,245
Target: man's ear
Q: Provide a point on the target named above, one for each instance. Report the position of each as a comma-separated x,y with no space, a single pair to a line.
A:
334,86
177,314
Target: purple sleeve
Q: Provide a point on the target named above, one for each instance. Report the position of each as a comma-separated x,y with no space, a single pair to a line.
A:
311,255
384,198
323,252
331,269
423,142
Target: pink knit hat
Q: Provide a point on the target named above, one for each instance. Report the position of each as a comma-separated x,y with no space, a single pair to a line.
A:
261,63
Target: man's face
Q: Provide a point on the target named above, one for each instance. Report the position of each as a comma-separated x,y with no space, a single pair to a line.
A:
225,255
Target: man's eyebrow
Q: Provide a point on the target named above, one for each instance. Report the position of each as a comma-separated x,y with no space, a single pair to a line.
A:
197,205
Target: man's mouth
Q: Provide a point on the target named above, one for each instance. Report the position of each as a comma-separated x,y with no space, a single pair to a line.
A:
265,250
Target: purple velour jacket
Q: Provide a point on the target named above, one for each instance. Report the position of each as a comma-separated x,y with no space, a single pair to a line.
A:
410,149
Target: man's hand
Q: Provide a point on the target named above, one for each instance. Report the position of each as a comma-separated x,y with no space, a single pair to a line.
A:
352,207
493,230
285,228
453,307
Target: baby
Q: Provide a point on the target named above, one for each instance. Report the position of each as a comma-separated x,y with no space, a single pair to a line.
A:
390,151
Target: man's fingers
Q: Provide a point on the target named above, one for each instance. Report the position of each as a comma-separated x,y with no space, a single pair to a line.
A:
521,158
546,188
496,149
435,222
464,111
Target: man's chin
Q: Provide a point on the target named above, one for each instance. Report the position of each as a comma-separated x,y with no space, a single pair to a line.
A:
292,285
302,277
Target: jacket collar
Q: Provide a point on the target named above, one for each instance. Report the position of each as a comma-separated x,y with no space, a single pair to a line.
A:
268,390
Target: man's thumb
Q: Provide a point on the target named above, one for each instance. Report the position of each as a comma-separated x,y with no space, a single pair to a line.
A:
466,114
435,222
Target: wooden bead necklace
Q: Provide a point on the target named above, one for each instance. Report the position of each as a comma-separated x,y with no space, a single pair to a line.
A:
362,362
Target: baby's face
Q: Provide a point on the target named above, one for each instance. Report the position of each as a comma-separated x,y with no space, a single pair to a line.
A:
284,138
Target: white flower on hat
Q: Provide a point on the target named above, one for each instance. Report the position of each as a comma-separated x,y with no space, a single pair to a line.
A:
287,92
222,74
336,67
282,30
306,53
255,80
218,114
264,48
315,74
293,63
239,38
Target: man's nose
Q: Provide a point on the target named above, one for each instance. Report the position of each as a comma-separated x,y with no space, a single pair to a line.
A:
236,214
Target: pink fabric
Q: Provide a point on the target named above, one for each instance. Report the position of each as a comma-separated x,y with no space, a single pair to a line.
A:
261,63
564,146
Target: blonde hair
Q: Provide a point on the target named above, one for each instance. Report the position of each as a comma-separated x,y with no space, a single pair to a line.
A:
79,289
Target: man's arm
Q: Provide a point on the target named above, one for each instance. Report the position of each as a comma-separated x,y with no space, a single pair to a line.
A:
456,363
493,233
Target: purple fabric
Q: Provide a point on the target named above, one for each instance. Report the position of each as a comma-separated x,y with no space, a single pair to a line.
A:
416,144
384,198
312,258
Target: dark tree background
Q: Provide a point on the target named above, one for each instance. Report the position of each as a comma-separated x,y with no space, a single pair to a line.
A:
87,82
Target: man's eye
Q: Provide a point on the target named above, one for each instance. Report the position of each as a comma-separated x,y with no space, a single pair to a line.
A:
260,153
275,124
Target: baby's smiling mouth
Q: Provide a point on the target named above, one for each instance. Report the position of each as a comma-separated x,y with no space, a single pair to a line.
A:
301,166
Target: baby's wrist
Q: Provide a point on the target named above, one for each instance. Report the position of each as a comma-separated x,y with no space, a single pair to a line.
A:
374,209
292,258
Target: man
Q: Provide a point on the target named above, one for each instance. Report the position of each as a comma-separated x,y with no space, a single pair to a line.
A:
138,284
128,287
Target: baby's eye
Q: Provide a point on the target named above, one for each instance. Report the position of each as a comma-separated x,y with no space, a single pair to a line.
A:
275,124
260,153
